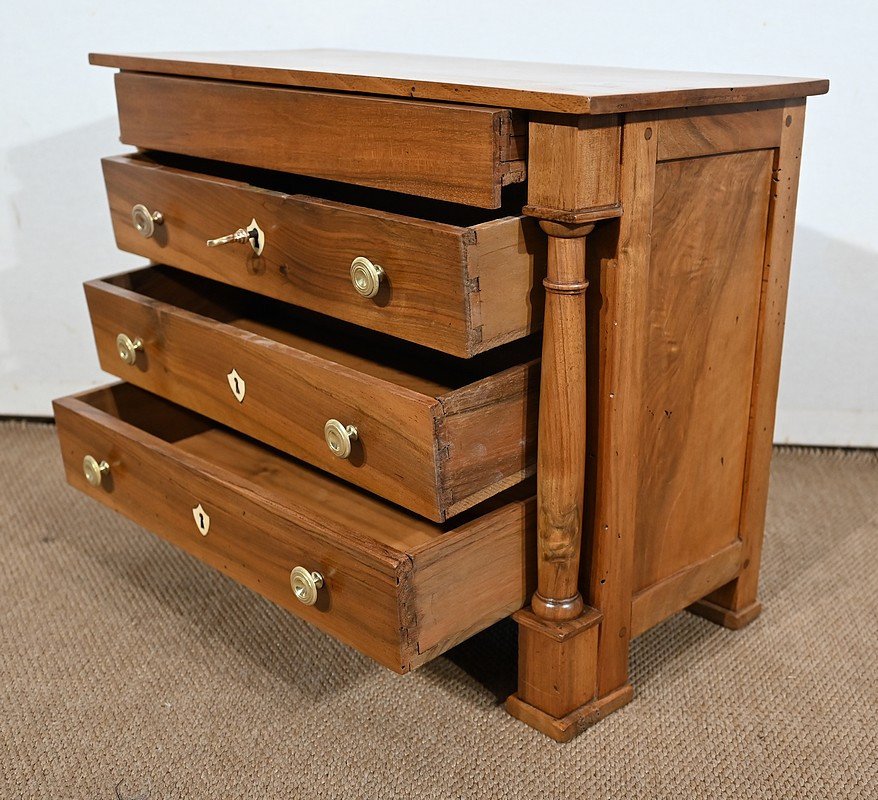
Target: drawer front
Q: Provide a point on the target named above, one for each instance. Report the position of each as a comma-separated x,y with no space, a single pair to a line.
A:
392,584
463,154
432,449
461,290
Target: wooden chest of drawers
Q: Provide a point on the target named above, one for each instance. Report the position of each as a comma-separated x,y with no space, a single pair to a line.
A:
375,374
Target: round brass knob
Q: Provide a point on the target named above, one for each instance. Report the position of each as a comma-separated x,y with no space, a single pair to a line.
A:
127,348
305,585
145,220
366,276
339,437
94,470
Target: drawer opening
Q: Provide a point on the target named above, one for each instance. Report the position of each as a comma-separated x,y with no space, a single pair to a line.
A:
290,482
408,365
437,211
147,412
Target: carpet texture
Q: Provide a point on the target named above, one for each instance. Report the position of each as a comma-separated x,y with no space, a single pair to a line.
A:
129,670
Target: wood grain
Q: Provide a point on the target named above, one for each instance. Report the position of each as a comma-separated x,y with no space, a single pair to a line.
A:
487,436
739,597
447,152
574,167
689,133
618,303
452,585
564,650
455,284
708,239
506,266
561,439
577,721
268,514
666,597
434,442
565,88
656,391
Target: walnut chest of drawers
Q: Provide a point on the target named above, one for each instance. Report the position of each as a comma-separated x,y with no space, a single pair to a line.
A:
425,343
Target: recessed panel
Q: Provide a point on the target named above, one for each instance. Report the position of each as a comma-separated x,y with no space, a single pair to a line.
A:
705,277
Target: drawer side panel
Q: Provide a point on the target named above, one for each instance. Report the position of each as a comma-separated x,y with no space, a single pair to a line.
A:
456,593
488,436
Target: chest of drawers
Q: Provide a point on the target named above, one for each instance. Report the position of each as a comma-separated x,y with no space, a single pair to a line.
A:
426,343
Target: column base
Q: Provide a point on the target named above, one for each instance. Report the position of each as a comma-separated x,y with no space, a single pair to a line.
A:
734,620
574,723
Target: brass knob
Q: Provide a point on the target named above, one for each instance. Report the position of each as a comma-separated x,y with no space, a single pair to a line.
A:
339,437
252,234
366,276
94,470
145,220
127,348
305,585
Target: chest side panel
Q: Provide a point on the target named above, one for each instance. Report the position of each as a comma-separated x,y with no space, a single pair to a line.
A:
705,276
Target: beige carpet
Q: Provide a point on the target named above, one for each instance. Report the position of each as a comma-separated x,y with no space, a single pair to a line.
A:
129,670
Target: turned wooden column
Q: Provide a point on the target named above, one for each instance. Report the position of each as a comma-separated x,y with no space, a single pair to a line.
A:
561,444
573,183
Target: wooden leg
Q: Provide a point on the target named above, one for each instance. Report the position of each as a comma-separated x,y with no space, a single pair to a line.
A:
719,614
558,634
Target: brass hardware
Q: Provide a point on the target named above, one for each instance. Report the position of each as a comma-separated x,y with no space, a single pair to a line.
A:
239,235
237,385
305,585
202,519
127,348
339,437
366,276
145,220
252,234
94,470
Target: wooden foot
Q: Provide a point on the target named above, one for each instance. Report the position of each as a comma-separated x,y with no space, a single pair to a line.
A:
557,660
574,723
728,618
557,675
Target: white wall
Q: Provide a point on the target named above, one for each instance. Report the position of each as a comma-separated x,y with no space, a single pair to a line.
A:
57,120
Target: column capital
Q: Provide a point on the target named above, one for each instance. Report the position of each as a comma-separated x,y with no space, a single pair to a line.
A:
566,230
578,216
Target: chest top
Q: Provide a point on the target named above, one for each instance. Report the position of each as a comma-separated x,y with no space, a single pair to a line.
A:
560,88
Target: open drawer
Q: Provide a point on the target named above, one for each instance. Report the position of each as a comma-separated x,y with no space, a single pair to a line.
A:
447,151
451,278
433,433
398,588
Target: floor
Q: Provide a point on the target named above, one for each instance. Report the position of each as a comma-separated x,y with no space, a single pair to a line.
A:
128,670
